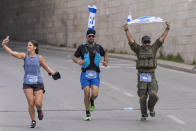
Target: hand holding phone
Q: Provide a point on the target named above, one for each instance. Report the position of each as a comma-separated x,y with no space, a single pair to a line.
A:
7,37
5,41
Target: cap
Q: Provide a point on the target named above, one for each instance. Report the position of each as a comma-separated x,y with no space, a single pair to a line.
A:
91,31
146,39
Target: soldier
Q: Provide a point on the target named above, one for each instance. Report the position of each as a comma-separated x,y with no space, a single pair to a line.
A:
146,64
91,53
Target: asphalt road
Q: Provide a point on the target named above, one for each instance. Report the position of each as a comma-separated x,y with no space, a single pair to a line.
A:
117,107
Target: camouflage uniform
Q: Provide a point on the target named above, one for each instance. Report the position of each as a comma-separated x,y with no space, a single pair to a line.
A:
146,63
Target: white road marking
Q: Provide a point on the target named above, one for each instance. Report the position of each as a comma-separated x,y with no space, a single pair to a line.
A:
128,108
128,94
110,86
117,89
177,120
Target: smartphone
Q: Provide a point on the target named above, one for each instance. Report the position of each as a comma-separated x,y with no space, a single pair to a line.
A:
7,37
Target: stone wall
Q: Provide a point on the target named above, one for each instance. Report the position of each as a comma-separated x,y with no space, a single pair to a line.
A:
64,22
43,20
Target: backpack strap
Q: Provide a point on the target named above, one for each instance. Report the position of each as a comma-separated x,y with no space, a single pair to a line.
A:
96,46
84,44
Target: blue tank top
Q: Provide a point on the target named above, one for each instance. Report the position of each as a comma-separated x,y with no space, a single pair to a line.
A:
32,70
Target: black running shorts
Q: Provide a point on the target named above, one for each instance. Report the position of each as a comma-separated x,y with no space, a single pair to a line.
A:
35,87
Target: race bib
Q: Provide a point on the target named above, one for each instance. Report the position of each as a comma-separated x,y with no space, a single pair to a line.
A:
91,74
145,77
32,79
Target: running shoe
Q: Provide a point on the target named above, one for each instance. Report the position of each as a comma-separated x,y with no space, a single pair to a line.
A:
87,117
92,107
143,118
33,124
152,114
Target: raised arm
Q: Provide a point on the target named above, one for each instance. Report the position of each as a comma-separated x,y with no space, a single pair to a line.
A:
45,66
18,55
164,35
129,37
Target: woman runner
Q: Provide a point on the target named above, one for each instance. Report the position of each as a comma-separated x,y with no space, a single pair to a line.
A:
33,83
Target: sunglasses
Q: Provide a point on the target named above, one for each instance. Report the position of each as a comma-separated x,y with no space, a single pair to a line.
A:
89,36
146,42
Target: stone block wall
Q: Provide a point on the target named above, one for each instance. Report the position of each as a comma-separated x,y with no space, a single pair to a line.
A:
64,22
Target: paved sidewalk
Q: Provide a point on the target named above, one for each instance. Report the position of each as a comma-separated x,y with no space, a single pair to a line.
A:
162,63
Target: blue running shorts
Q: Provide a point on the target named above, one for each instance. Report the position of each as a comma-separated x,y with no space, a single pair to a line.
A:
89,81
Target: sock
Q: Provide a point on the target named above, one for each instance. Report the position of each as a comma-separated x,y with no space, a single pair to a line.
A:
92,102
38,110
88,113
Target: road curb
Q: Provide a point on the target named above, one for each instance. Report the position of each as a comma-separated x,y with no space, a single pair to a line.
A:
161,63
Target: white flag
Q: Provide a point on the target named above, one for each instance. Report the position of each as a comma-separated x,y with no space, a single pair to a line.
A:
91,21
144,19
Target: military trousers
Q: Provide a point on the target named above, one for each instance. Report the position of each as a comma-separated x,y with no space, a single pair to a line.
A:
147,91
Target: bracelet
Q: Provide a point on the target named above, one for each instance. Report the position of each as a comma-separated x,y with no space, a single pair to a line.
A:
167,28
126,30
